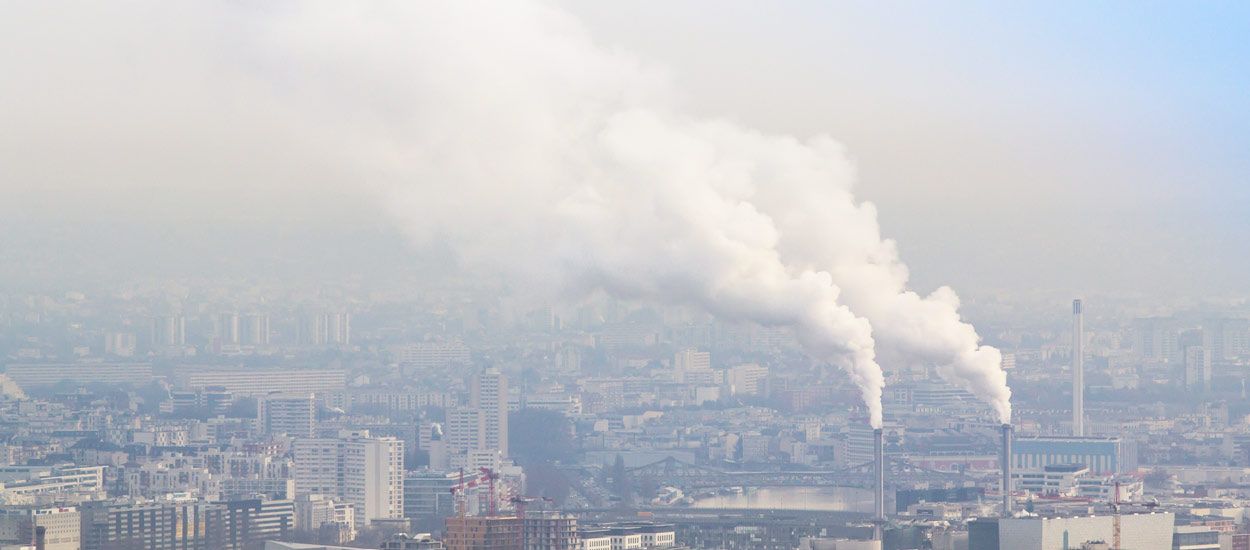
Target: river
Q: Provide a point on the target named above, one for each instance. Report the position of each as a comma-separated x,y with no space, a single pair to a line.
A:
831,499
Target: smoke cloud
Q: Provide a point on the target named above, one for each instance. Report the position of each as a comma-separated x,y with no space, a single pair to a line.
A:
501,129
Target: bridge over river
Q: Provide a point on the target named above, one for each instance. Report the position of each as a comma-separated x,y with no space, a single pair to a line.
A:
691,477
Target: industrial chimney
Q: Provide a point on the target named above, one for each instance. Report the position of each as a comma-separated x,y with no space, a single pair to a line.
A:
1078,370
878,461
1006,468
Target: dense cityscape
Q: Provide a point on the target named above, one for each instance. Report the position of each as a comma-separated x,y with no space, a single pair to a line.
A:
568,275
185,417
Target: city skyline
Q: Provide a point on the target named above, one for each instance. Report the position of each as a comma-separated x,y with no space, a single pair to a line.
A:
552,275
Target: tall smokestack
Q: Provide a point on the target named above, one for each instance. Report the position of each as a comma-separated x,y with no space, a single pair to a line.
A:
1078,370
1006,467
878,461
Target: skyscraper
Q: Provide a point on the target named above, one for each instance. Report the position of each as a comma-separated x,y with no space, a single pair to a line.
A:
365,471
293,414
1197,369
169,331
256,329
227,329
1078,370
326,329
489,395
1157,338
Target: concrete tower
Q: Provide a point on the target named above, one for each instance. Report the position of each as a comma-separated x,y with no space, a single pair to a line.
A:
1078,370
1006,470
878,461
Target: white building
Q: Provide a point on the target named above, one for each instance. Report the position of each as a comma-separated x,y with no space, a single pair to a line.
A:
258,382
748,379
1137,531
819,543
1197,369
292,414
365,471
61,524
626,536
424,356
692,359
482,426
489,394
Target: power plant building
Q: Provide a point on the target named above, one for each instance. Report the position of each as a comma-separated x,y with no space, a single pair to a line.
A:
1103,455
1136,531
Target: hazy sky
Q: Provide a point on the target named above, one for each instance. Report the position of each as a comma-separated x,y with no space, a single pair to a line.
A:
1069,145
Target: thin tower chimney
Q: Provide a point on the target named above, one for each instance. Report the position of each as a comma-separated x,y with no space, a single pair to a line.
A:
1078,370
878,460
1006,469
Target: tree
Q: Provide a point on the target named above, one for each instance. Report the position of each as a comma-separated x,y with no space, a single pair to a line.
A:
243,407
537,436
545,480
620,481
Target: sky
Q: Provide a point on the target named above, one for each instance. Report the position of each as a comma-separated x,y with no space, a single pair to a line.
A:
1076,146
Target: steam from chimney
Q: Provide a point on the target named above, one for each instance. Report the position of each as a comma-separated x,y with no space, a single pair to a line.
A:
503,131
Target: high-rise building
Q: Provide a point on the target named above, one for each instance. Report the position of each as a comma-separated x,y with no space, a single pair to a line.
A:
692,359
488,393
292,414
255,330
153,525
1157,338
249,522
339,329
184,524
18,525
227,329
326,329
1078,370
427,494
356,468
169,331
463,430
1226,339
1197,369
121,344
751,379
320,513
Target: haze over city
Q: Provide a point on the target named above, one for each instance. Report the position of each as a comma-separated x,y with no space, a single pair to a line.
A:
530,274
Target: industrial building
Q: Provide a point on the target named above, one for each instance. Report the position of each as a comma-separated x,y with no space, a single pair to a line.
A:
1151,531
1102,455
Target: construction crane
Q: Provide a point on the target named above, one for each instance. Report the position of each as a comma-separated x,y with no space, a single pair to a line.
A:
459,491
490,476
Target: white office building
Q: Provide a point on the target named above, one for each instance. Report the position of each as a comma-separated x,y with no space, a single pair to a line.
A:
355,468
1136,531
292,414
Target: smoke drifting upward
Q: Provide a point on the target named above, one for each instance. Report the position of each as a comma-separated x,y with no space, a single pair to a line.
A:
503,130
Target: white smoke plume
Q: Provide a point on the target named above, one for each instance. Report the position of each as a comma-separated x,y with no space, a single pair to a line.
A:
504,130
